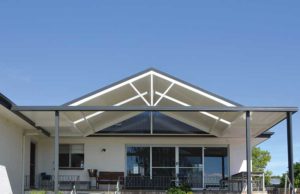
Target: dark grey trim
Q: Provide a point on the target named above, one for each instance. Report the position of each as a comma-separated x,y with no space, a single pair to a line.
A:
4,101
7,103
248,152
151,135
56,152
289,127
71,168
156,108
265,135
145,71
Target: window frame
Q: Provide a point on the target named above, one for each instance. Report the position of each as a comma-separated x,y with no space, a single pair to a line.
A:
69,167
177,146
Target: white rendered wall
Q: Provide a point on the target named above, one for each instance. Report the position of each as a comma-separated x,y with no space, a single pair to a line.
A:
114,157
27,156
237,158
11,152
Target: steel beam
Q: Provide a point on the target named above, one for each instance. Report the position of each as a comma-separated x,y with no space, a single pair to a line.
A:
56,153
156,108
248,152
290,146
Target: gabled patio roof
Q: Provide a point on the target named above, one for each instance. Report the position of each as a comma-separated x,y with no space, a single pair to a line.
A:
152,90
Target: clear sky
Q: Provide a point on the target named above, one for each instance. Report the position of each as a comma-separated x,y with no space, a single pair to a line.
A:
248,51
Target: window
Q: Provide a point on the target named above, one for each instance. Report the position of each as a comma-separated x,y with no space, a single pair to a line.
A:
71,156
190,165
216,165
138,161
190,156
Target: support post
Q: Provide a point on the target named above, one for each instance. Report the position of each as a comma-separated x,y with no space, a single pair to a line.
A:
223,167
248,152
151,122
23,162
263,182
56,152
290,146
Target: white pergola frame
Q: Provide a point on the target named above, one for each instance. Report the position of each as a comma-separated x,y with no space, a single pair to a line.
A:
153,92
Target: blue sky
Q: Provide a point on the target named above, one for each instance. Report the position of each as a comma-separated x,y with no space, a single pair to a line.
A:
247,51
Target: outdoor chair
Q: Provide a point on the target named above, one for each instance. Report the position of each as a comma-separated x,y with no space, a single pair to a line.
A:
45,181
109,178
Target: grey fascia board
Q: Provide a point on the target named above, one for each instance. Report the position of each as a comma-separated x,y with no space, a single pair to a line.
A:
155,108
266,134
150,135
4,101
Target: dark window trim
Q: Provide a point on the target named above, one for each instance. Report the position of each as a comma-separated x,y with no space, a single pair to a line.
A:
70,158
70,168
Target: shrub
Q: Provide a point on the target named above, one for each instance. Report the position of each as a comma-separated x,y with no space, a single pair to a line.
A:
185,187
37,192
182,189
41,192
175,190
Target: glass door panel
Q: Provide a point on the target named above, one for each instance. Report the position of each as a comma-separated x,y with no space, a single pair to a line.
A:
163,161
191,166
138,161
216,166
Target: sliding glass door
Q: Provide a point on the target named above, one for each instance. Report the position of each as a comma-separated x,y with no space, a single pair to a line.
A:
190,165
186,164
216,166
163,161
138,161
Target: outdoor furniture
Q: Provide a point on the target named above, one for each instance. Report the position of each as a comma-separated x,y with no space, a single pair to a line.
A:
93,177
108,178
213,182
92,172
45,176
45,180
236,182
66,182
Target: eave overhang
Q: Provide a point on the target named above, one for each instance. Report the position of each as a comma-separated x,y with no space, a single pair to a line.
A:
8,104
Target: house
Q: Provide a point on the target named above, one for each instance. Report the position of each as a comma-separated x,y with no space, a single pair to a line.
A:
149,131
275,181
